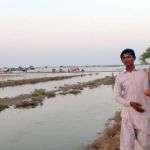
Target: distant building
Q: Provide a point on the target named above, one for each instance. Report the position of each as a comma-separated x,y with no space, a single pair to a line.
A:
53,70
61,70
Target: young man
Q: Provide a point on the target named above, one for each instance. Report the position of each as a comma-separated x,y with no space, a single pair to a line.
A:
129,91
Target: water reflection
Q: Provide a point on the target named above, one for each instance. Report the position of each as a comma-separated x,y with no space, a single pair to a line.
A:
50,85
62,123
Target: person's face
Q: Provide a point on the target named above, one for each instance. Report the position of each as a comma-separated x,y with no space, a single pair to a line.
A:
127,59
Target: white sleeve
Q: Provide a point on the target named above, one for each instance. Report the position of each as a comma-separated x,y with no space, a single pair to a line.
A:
118,94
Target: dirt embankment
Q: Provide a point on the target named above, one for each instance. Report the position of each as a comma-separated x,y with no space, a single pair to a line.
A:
109,139
35,80
36,97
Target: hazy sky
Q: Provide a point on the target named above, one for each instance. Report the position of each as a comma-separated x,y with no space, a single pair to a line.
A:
71,32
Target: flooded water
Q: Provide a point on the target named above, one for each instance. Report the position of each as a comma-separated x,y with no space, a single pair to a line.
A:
62,123
51,85
20,76
46,72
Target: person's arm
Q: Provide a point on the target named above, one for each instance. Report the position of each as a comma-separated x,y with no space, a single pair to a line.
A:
118,94
147,92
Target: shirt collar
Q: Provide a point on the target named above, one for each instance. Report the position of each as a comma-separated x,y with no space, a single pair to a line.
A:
125,71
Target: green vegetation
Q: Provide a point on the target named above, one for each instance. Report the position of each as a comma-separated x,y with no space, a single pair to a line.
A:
38,92
145,55
74,91
26,104
50,94
3,106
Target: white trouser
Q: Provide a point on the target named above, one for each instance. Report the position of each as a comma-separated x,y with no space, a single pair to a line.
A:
144,140
127,137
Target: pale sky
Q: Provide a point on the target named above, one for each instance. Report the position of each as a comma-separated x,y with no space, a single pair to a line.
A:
71,32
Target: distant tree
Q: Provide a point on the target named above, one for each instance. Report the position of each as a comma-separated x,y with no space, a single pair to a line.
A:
145,55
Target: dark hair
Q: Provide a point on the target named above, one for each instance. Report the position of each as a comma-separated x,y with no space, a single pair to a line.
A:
128,51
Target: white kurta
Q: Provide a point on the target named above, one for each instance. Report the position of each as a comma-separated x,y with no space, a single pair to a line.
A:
130,86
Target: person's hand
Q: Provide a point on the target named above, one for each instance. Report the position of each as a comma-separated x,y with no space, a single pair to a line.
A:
137,106
147,92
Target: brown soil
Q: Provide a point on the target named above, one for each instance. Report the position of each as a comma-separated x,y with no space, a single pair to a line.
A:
109,139
34,80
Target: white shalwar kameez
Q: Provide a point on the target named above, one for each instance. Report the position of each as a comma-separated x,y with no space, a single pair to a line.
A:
130,86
